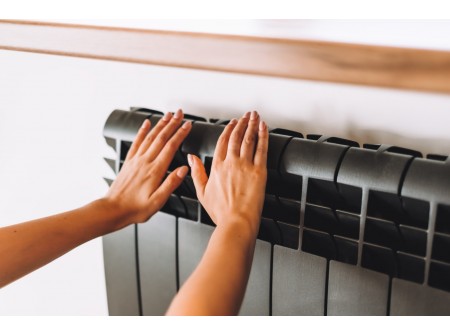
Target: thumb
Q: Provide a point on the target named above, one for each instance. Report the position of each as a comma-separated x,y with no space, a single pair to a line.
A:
172,182
198,174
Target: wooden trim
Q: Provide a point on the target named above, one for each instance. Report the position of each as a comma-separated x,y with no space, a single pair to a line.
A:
404,68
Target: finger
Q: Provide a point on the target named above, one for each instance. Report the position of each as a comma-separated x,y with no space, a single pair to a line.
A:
234,144
154,133
167,153
249,142
164,135
142,133
172,182
262,146
220,152
198,174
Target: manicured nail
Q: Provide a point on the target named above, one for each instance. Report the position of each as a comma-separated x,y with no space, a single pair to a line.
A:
146,123
246,115
178,114
262,125
233,121
167,116
190,160
254,115
182,171
186,125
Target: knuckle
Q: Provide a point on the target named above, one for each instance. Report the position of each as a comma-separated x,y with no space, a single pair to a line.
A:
229,128
162,137
162,122
222,139
234,146
250,139
234,138
149,138
174,122
258,173
260,149
171,146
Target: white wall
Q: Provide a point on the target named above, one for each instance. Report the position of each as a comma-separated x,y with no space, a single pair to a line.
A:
52,111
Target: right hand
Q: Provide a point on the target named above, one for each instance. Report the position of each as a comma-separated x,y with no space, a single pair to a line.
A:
234,192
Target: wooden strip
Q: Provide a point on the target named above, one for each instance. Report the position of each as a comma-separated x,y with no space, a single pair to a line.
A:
426,70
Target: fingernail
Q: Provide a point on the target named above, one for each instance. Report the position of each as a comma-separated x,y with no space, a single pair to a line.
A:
182,171
262,125
190,160
145,123
186,125
233,121
167,116
246,115
178,114
254,115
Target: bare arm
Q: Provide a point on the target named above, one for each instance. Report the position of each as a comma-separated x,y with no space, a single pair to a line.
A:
136,194
233,197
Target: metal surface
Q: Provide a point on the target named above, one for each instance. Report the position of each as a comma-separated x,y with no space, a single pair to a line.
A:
299,281
119,250
376,215
157,263
257,296
193,239
354,290
409,298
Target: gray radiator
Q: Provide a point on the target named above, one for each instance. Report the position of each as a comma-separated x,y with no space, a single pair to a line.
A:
346,230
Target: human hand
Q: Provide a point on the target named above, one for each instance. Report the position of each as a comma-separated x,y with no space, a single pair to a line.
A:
138,191
234,192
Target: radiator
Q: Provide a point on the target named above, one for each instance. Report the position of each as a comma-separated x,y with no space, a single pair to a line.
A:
345,230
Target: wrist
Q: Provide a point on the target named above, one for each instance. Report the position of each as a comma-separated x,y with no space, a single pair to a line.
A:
115,217
240,225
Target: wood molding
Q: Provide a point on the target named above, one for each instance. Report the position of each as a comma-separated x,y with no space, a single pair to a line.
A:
403,68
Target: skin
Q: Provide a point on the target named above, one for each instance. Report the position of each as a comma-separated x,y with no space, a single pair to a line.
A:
136,194
232,195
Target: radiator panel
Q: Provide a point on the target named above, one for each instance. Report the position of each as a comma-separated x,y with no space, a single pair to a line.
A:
377,215
157,263
119,250
410,298
299,283
354,290
193,239
257,296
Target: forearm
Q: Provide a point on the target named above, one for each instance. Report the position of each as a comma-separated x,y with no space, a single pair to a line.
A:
27,246
217,286
138,191
233,196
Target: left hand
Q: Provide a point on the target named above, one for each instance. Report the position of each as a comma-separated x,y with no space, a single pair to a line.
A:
138,191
